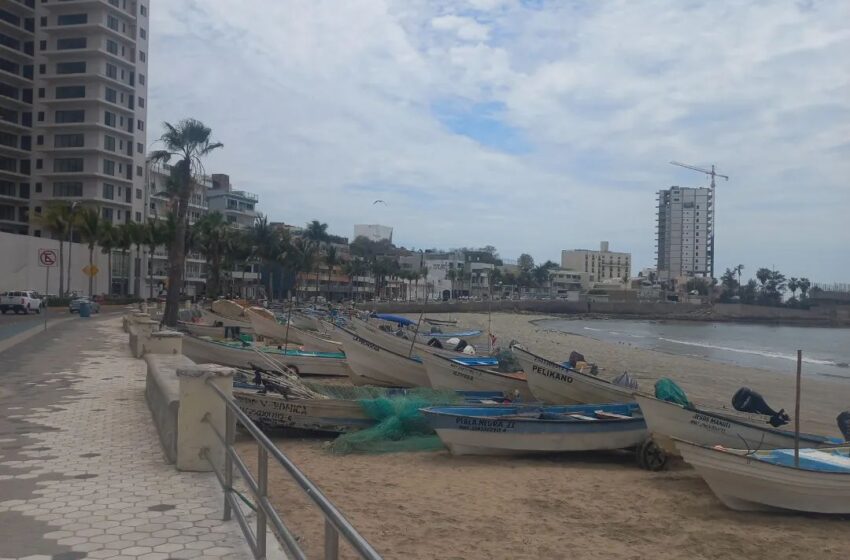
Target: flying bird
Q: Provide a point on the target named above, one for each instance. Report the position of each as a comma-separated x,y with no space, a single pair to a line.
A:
377,201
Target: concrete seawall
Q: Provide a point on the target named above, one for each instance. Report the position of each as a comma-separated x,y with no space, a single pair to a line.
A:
838,317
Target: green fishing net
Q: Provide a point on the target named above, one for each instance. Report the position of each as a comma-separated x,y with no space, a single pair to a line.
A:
401,426
667,390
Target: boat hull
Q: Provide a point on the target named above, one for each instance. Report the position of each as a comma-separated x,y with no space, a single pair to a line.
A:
372,364
472,435
202,351
666,421
746,484
323,415
269,328
212,318
553,383
443,373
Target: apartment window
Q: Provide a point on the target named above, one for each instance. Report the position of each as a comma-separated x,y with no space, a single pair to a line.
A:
70,67
68,140
71,43
43,21
108,167
39,140
109,143
39,163
142,79
139,147
72,19
108,191
38,187
112,22
70,92
109,118
107,214
142,33
141,102
42,45
138,216
71,116
143,10
42,69
68,165
111,95
111,47
41,93
138,170
142,56
112,71
140,125
68,188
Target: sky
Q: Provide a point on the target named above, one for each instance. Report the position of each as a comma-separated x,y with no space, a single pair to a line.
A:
530,125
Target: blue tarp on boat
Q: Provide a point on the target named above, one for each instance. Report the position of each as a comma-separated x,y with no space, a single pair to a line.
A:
394,318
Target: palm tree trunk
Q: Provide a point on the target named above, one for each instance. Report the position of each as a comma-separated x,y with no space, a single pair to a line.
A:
91,276
150,273
109,272
61,268
177,250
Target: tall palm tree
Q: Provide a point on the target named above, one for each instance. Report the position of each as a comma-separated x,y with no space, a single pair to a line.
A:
316,233
156,233
123,242
88,223
331,259
189,142
137,237
451,276
738,270
267,246
55,221
212,236
107,240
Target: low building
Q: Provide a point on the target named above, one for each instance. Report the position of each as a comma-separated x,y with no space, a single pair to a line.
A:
567,284
237,206
373,232
600,264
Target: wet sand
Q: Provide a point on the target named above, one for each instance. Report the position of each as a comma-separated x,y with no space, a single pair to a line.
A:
580,506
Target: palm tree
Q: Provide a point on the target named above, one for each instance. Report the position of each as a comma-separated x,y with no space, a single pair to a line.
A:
189,141
137,237
424,274
415,275
266,244
88,224
316,233
211,234
804,284
451,276
331,259
123,242
107,240
793,285
156,233
738,269
56,220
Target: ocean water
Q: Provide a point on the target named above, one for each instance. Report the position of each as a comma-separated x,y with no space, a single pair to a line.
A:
826,351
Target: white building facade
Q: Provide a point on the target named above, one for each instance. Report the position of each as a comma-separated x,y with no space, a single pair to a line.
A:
600,265
685,233
373,232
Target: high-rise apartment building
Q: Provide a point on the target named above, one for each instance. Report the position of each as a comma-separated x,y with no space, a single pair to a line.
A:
685,233
600,265
73,108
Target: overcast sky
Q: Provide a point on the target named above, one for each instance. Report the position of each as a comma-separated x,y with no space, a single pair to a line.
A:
533,126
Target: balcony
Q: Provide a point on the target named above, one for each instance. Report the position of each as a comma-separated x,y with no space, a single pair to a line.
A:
82,3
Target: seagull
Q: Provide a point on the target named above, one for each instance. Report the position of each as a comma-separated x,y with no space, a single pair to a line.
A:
377,201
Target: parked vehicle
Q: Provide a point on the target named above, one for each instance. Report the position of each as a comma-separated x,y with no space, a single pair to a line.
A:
74,305
21,302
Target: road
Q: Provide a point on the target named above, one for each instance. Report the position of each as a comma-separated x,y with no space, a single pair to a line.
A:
12,324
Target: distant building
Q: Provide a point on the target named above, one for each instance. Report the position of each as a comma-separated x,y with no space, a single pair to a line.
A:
238,207
685,233
568,284
373,232
599,264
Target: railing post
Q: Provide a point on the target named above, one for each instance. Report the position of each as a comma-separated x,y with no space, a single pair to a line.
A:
199,404
331,541
229,438
262,492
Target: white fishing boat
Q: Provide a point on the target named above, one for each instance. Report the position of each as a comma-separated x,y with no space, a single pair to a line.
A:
712,426
446,373
373,364
511,429
272,410
265,324
200,329
212,318
244,355
554,383
769,480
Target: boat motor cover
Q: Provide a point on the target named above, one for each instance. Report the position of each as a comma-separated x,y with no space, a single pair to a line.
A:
844,424
747,400
667,390
461,345
575,358
435,343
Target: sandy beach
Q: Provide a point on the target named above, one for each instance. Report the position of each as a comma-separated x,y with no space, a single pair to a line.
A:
433,505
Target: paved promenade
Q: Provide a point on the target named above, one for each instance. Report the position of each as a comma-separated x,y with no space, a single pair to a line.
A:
82,474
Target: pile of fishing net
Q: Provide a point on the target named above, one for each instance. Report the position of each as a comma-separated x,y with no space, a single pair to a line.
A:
667,390
400,426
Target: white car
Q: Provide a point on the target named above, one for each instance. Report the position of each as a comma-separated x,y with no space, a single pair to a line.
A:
21,302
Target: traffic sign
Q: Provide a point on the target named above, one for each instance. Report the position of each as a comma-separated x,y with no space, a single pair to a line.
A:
90,270
47,257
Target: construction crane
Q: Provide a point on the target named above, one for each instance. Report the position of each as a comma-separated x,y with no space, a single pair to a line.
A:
711,173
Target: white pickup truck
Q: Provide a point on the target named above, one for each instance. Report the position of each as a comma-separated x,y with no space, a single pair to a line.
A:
20,302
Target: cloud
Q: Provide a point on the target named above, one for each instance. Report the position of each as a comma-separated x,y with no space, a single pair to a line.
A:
531,126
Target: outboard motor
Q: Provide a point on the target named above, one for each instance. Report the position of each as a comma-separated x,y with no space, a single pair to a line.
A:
435,343
747,400
844,424
575,358
461,345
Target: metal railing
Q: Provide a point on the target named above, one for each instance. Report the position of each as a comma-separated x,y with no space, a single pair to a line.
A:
335,521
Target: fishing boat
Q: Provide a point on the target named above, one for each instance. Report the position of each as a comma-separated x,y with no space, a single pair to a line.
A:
555,383
212,318
769,480
200,329
272,410
406,346
245,355
265,324
433,332
710,426
511,430
370,363
448,373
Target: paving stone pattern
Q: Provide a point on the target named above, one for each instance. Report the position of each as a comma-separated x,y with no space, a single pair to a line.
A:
82,474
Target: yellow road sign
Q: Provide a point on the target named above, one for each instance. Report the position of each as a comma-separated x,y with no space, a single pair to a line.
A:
90,270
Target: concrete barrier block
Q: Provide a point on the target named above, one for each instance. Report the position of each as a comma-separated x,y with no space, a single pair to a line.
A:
162,394
201,409
140,334
162,342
